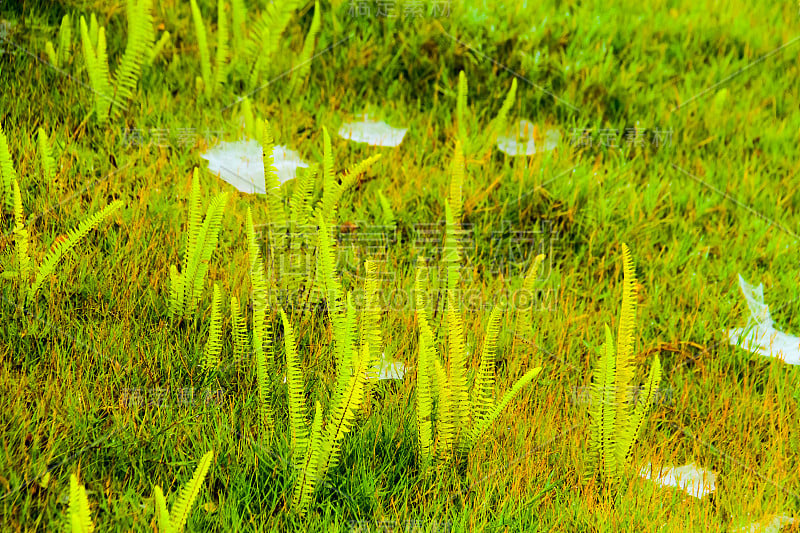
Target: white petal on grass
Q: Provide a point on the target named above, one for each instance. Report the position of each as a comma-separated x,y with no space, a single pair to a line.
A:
521,142
373,133
694,481
771,524
759,336
240,164
384,370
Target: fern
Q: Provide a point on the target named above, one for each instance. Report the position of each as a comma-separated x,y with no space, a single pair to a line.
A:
214,344
496,127
615,422
461,418
80,517
240,340
59,57
304,62
316,452
388,214
94,55
58,251
202,44
138,49
461,109
265,36
201,241
523,325
500,123
175,521
48,164
9,175
262,337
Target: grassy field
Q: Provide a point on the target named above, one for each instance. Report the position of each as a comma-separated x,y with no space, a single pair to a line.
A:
679,131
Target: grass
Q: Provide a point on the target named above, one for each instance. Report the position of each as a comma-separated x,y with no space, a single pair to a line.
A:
719,197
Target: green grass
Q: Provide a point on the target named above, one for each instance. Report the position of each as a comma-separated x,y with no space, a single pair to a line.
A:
720,198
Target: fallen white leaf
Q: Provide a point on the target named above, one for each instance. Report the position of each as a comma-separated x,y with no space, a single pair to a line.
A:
241,164
694,481
373,133
767,525
522,142
759,336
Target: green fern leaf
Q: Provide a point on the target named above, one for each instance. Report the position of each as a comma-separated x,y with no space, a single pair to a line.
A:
7,169
48,164
186,497
214,344
79,514
202,43
304,62
261,331
487,421
296,401
137,50
51,260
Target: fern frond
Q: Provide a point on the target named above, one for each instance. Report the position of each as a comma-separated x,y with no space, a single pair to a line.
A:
277,215
457,182
627,326
51,54
386,208
48,164
21,240
7,170
202,44
159,47
214,344
239,15
296,400
524,321
484,383
500,123
137,50
162,514
458,366
445,421
238,324
461,108
342,414
370,332
206,244
187,495
326,265
51,260
487,421
261,331
636,419
64,40
611,410
94,30
304,486
79,515
424,393
265,35
301,199
304,61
